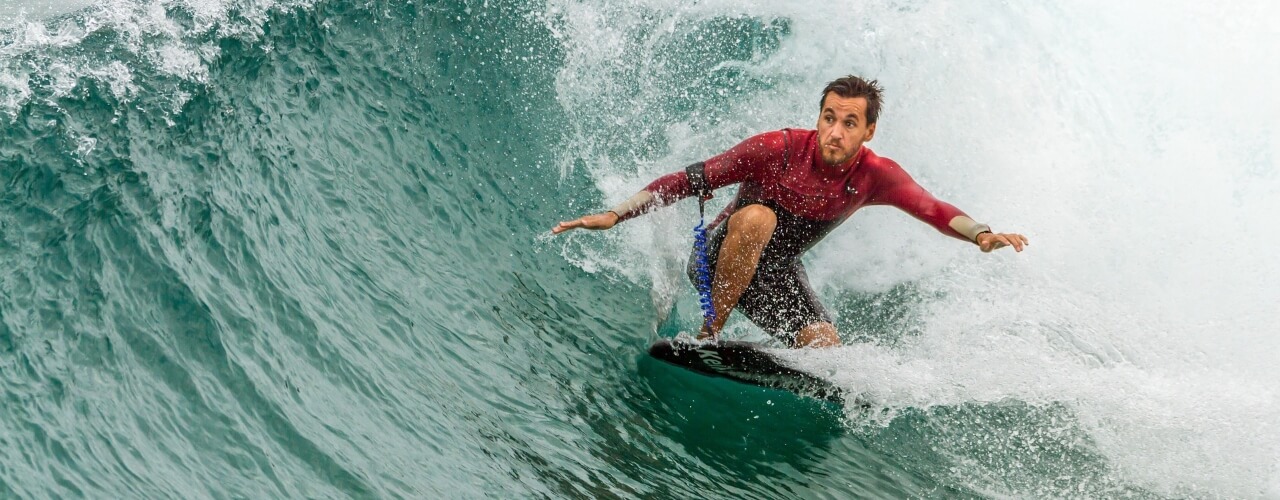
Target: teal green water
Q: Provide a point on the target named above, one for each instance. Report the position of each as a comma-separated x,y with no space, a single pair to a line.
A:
306,257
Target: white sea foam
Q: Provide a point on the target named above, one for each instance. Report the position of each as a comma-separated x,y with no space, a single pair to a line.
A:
40,9
1135,144
41,41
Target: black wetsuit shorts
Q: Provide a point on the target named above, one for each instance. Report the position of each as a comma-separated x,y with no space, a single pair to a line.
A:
779,298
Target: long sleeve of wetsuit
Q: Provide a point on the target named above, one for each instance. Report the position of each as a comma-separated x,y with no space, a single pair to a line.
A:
738,164
898,189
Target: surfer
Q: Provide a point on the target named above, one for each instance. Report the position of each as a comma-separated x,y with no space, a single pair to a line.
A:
797,186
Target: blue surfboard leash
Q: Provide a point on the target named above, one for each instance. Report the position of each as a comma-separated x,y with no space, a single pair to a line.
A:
697,179
704,272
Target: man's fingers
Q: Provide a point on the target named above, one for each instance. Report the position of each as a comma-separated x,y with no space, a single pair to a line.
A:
1019,241
1014,242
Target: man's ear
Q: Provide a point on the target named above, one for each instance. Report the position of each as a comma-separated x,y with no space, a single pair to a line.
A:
871,132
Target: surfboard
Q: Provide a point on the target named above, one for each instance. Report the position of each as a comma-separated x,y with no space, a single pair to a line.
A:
745,362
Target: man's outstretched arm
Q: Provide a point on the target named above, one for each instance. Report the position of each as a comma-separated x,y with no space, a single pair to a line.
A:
904,193
605,220
731,167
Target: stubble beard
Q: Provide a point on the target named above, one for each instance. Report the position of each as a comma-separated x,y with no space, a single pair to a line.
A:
833,160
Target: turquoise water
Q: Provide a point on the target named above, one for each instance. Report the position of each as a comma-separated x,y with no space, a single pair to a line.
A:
299,249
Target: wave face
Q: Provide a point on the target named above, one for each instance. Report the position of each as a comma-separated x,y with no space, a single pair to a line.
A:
298,248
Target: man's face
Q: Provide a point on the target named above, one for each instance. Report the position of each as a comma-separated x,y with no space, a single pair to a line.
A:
842,128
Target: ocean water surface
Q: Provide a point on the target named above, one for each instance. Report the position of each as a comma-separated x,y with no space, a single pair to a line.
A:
300,248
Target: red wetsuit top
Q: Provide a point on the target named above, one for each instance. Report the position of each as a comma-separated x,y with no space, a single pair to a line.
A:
784,171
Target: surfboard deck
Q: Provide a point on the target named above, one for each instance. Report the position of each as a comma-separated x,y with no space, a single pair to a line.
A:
745,362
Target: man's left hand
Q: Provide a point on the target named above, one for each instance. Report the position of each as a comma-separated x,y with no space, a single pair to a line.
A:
991,241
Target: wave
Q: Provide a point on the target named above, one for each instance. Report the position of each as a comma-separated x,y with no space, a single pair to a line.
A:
302,244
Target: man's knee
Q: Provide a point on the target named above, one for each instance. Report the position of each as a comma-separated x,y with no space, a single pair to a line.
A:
755,220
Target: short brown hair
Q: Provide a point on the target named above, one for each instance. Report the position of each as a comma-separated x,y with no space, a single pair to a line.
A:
851,86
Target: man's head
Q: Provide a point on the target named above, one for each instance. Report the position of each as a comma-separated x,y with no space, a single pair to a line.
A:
847,118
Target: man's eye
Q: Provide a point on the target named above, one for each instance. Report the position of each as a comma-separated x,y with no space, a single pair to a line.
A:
850,124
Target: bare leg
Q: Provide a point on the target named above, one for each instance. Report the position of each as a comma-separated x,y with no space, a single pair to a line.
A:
820,334
750,229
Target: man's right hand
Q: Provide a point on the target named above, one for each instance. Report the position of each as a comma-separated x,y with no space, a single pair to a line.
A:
599,221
